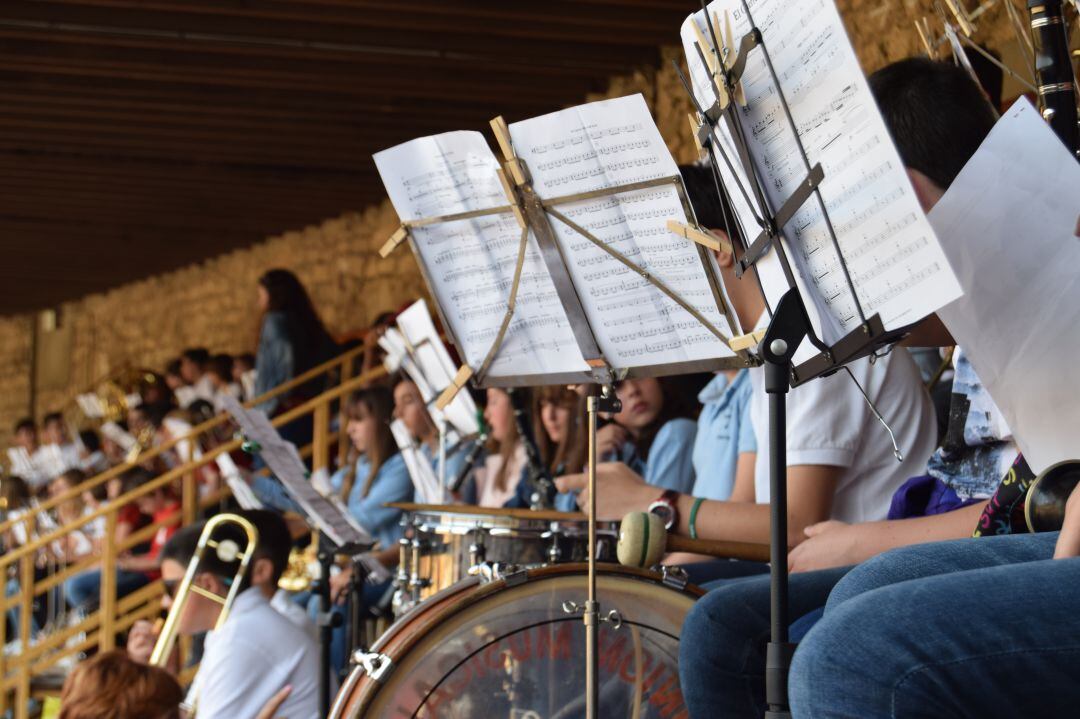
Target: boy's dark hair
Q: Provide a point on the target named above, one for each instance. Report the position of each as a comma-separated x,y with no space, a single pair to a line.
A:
74,476
221,365
90,440
25,423
173,367
708,206
247,359
52,417
135,478
198,355
936,114
274,544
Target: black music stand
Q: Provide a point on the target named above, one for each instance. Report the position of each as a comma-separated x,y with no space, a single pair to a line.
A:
789,323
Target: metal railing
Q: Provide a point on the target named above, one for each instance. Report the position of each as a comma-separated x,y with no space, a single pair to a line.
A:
115,614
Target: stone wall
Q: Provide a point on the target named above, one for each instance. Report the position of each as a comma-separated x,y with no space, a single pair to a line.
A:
212,304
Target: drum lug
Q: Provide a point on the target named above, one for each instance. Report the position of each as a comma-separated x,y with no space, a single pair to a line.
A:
512,574
675,577
376,666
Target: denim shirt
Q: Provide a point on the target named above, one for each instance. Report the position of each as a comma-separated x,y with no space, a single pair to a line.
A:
670,463
724,431
392,484
455,460
274,361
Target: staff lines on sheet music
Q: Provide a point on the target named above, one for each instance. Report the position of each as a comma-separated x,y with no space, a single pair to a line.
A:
587,136
593,154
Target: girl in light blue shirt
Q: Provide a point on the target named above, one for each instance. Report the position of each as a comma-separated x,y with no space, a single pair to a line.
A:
379,475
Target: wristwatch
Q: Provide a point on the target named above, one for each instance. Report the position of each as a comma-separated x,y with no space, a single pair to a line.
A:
666,508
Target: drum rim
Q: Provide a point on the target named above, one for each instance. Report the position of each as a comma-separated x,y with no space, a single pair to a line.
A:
436,610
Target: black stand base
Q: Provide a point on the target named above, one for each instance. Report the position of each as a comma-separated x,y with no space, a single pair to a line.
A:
326,621
787,330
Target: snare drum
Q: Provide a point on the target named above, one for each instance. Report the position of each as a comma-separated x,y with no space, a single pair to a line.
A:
449,543
515,648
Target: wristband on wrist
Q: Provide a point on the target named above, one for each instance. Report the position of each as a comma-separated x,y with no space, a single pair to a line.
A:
693,516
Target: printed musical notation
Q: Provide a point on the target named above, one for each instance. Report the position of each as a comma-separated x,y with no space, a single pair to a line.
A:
470,263
603,145
896,264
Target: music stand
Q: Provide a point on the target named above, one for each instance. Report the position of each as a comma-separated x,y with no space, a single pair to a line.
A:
534,214
789,322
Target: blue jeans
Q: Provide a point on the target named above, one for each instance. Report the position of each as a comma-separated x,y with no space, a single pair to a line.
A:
84,590
722,649
983,627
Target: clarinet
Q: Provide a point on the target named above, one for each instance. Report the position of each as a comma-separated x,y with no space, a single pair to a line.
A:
543,486
470,460
1054,71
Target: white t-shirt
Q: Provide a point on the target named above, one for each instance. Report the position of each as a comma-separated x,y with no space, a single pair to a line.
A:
829,423
256,653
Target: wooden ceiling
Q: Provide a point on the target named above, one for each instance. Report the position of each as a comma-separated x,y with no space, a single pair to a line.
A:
137,136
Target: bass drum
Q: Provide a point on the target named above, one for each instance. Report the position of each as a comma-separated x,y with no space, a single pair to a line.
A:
511,649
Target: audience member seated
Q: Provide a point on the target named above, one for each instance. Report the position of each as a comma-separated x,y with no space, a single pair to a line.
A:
193,363
558,425
257,651
132,570
243,373
220,371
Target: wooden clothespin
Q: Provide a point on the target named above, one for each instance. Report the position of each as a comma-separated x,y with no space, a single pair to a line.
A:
399,236
512,163
695,125
745,342
460,379
962,17
512,198
700,236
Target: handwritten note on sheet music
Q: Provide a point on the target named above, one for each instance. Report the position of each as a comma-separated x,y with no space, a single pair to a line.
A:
894,258
470,263
602,145
1008,223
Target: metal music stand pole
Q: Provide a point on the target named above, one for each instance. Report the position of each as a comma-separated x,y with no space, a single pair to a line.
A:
606,402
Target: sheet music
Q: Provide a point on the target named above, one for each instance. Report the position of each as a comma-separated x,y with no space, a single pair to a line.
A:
1009,224
601,145
428,489
433,362
895,261
241,490
329,516
470,263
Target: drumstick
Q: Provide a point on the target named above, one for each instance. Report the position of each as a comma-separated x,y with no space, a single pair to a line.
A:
643,542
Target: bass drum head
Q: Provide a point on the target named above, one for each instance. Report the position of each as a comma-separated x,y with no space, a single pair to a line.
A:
508,649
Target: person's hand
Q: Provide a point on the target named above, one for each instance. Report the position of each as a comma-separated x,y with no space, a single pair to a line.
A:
619,490
610,438
1068,543
827,544
339,585
270,708
141,640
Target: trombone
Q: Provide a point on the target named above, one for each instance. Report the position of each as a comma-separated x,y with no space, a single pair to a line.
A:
228,551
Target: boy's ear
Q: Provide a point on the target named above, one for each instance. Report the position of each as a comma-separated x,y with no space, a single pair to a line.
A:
726,260
262,570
